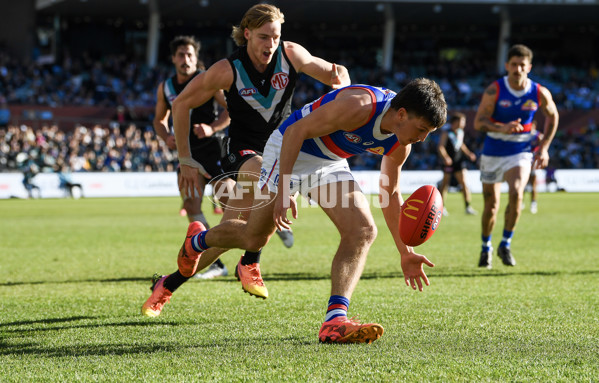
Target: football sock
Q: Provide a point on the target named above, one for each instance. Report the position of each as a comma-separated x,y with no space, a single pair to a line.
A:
507,238
487,246
250,257
200,217
338,306
198,242
173,281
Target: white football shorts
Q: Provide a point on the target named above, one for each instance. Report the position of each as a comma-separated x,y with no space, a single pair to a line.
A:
308,172
492,168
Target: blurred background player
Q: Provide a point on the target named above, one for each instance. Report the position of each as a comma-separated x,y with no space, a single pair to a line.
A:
206,137
259,80
451,147
506,113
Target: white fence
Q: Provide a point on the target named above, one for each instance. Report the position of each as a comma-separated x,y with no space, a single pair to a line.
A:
165,184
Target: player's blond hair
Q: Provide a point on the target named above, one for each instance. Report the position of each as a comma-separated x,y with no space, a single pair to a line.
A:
255,17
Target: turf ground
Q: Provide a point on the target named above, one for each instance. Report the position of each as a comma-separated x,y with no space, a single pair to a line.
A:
74,274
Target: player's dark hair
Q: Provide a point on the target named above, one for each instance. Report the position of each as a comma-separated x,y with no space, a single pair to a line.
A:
519,50
184,41
423,98
255,17
456,116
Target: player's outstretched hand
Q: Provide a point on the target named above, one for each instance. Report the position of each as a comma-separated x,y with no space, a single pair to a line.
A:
413,271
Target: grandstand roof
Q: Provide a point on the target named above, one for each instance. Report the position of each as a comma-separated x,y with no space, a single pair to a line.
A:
229,12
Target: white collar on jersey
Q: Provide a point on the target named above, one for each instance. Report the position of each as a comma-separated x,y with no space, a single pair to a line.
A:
376,130
517,93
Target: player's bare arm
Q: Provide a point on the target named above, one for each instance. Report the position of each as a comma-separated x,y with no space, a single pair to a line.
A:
483,122
160,123
350,110
333,75
442,151
549,110
411,262
468,152
201,89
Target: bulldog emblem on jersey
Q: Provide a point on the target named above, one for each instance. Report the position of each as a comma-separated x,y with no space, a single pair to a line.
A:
378,150
530,105
279,80
351,137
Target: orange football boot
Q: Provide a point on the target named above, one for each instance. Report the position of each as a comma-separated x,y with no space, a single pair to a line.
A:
188,258
251,279
344,330
160,296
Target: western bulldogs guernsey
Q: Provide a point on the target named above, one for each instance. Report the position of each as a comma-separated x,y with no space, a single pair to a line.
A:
341,144
258,102
203,114
509,106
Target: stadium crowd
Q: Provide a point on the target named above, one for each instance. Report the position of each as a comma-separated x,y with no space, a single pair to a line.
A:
115,81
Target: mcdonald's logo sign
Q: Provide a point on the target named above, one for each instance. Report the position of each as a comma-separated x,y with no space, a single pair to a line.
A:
408,206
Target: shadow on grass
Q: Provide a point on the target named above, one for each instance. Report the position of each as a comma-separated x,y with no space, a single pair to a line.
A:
474,273
153,345
105,280
140,323
471,274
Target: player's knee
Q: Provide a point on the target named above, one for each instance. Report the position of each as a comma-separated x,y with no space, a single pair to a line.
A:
364,232
255,242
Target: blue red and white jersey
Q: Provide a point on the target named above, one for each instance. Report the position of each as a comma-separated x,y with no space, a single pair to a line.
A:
343,144
511,105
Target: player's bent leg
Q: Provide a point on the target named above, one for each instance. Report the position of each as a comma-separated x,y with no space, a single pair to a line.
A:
260,229
516,179
351,215
248,270
491,195
250,172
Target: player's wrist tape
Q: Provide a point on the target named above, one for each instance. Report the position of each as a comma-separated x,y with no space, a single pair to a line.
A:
188,161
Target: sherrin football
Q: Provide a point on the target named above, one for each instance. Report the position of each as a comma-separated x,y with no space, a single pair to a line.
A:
420,215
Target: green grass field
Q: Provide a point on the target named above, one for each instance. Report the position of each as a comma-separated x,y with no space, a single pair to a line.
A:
74,274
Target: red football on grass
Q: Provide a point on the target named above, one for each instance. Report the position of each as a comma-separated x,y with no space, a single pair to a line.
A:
420,215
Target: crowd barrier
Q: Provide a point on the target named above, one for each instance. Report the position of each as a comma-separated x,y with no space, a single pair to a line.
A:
164,184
